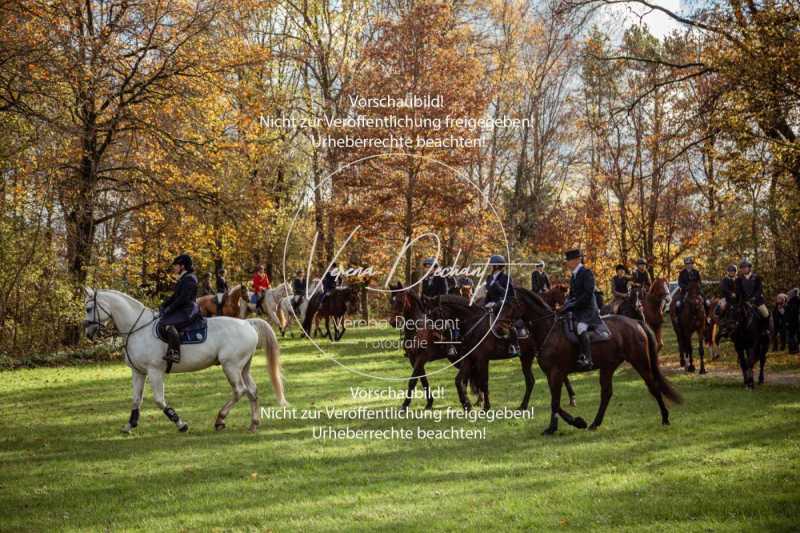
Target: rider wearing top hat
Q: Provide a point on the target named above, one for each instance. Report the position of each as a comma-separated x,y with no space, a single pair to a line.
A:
619,286
540,283
582,304
500,292
180,309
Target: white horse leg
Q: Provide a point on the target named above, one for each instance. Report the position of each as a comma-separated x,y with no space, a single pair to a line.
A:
252,393
234,374
137,381
157,384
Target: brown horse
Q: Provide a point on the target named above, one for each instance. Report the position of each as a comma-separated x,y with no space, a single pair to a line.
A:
332,308
479,344
690,320
230,303
711,336
556,295
630,341
653,302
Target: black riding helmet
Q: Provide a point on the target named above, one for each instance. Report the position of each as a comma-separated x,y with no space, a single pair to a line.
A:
185,260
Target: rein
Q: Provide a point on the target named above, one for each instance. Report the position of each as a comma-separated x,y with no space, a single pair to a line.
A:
127,335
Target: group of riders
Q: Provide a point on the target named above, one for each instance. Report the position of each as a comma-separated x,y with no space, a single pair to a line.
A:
583,304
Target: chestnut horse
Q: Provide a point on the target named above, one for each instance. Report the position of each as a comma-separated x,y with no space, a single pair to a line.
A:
230,303
690,320
556,295
654,301
630,341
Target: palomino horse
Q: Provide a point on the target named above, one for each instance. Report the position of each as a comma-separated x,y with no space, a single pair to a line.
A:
231,343
630,341
230,303
654,301
335,305
749,332
690,320
268,305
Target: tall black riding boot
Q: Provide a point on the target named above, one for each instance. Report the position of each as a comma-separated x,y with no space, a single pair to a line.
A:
173,344
585,357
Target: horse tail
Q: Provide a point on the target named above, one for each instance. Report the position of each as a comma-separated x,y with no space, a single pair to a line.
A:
662,382
268,341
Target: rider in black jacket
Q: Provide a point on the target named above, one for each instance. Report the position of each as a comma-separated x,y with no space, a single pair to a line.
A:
582,304
180,309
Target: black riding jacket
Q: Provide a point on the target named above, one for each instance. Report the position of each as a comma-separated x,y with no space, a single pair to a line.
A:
539,282
750,289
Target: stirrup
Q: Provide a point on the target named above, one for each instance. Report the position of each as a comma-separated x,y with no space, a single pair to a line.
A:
172,356
513,349
584,363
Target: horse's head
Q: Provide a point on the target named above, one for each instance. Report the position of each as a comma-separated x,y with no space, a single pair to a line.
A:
399,304
97,316
351,298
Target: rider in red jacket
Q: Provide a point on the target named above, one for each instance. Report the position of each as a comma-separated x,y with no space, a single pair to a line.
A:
260,284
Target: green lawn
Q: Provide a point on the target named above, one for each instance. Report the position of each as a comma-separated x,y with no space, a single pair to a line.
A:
729,462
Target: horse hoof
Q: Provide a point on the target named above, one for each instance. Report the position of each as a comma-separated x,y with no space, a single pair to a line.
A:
253,428
690,368
183,428
219,426
703,371
127,428
579,423
549,431
572,402
593,427
761,381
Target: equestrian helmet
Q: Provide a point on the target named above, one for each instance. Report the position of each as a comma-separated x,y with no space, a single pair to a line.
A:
641,261
745,263
732,268
688,260
497,260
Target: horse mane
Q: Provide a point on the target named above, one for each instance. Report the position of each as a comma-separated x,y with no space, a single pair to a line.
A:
531,298
124,296
458,303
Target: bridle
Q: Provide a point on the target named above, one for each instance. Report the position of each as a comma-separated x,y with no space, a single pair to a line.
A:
102,326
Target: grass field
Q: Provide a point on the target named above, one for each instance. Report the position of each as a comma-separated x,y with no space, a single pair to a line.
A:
729,462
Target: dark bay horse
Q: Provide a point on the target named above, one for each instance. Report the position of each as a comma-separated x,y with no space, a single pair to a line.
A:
420,343
630,341
479,345
332,308
630,306
749,332
690,320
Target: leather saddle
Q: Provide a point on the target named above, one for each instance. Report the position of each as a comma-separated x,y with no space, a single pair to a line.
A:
195,332
597,333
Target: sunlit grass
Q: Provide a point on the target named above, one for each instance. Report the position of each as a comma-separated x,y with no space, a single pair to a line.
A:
729,462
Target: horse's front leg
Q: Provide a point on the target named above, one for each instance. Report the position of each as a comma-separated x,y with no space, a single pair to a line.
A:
157,384
137,381
328,329
554,382
526,361
416,372
570,392
762,360
689,359
462,395
701,349
606,390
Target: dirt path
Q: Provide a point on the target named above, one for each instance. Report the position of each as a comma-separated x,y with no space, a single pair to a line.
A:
781,368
